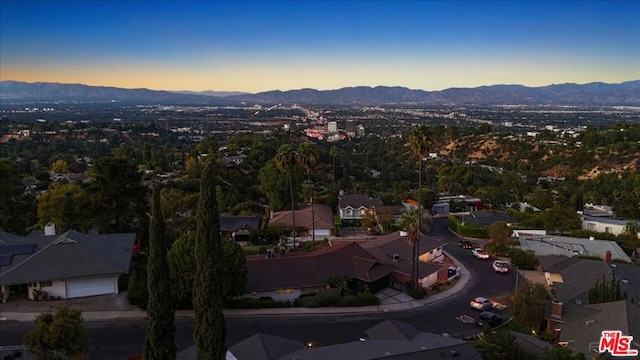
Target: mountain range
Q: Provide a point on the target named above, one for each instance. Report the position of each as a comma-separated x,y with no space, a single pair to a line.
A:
597,93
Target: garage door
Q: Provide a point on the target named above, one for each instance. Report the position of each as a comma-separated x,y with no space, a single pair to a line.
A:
90,287
322,232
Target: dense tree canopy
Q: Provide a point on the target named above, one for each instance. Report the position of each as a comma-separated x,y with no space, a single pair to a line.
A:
62,331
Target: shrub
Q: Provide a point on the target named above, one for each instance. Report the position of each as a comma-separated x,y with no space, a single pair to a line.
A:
138,294
524,260
347,301
366,299
328,297
264,302
310,302
325,297
415,291
244,303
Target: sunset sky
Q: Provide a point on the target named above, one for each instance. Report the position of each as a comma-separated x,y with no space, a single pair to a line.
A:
257,46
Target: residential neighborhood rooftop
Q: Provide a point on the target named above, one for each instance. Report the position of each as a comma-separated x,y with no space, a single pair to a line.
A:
569,246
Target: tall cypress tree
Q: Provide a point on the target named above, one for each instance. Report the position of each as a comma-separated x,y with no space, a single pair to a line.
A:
210,328
160,343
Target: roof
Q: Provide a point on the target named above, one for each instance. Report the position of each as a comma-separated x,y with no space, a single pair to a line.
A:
323,217
570,246
420,346
392,330
314,269
583,324
68,255
235,223
264,347
578,277
358,201
597,210
531,343
386,246
629,275
606,220
396,210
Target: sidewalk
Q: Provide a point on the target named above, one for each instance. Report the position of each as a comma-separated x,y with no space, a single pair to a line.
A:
391,301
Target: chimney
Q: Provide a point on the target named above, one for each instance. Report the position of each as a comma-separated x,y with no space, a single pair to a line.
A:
607,256
50,229
556,309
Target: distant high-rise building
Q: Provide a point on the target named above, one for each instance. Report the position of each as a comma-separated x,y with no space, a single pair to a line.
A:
162,123
360,131
332,127
350,127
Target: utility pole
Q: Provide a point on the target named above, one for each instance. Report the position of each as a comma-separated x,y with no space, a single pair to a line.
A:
515,292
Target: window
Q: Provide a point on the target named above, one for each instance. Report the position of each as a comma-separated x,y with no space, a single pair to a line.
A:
608,230
45,283
591,226
284,291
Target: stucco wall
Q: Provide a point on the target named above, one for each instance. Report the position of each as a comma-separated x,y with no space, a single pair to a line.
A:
57,288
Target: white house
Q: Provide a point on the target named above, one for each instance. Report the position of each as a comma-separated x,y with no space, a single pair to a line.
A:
354,207
604,224
65,266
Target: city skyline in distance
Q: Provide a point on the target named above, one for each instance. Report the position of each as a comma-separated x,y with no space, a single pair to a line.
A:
252,46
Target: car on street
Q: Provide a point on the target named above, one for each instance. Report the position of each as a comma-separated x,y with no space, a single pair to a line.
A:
481,303
500,266
480,254
466,244
489,318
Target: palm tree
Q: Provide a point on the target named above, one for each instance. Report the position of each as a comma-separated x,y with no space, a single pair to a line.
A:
333,152
419,144
306,157
284,162
414,225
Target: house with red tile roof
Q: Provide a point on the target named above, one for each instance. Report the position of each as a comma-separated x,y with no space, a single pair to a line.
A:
287,277
393,248
372,265
310,219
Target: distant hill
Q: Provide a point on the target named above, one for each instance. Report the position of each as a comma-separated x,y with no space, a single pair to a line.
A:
211,93
17,91
627,93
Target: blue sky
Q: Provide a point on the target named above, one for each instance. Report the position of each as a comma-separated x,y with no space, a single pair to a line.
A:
263,45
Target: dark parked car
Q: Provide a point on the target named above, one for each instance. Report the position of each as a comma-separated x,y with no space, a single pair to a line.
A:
489,318
466,244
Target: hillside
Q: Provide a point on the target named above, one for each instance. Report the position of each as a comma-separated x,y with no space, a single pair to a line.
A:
557,161
627,93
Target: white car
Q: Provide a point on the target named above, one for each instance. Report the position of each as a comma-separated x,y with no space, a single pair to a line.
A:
500,266
481,303
453,273
480,254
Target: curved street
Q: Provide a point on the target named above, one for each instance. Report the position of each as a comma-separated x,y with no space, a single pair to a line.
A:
452,315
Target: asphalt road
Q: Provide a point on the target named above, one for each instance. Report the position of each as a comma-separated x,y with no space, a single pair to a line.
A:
118,339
